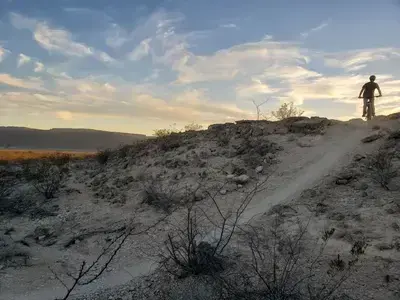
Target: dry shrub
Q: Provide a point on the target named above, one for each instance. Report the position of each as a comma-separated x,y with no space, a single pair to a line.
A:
161,196
124,151
7,183
193,127
46,175
13,257
102,156
287,110
169,142
381,167
283,266
197,245
223,138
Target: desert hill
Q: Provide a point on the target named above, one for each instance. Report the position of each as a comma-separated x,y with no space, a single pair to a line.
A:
64,138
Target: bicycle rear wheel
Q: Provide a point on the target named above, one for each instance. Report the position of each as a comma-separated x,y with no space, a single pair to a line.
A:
369,112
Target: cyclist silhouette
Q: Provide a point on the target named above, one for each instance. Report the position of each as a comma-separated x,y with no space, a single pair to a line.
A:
367,92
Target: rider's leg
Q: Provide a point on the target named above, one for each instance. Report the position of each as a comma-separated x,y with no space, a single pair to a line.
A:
372,105
365,107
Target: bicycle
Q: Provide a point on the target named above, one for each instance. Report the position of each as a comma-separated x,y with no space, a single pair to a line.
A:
368,108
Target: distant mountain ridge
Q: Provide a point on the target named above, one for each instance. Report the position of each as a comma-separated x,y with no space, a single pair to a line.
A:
64,138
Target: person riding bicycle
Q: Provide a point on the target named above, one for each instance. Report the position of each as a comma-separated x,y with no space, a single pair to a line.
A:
367,92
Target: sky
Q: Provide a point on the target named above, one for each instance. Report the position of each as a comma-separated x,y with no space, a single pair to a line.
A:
136,66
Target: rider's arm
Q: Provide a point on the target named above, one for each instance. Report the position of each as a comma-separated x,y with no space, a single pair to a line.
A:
362,90
379,90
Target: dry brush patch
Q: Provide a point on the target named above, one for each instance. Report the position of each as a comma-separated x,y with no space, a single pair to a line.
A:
197,244
7,183
161,195
285,264
46,175
381,167
88,272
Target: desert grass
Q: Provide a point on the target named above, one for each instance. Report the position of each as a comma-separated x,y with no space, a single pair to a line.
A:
14,155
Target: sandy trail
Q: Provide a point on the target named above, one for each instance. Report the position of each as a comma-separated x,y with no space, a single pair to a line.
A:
296,174
297,171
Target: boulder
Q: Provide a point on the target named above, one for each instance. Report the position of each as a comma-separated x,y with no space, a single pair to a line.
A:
259,169
308,126
242,179
291,120
359,157
394,135
371,138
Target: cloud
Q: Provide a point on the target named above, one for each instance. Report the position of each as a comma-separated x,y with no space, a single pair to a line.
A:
344,88
88,97
155,73
289,73
109,87
57,39
61,41
230,25
116,36
253,89
64,115
39,67
242,60
104,57
80,10
86,88
315,29
30,83
21,22
141,51
23,59
3,54
356,60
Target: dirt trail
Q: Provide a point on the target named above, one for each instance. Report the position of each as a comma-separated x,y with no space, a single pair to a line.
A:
296,174
299,170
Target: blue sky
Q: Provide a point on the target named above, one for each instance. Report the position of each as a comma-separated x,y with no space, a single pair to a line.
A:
134,66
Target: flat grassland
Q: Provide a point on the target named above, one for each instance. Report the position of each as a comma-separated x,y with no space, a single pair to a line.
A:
13,155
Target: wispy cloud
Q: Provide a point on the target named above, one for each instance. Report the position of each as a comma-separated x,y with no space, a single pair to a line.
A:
229,25
141,51
30,83
343,88
64,115
357,60
23,59
3,53
255,88
243,60
57,39
321,26
22,22
39,67
85,96
116,36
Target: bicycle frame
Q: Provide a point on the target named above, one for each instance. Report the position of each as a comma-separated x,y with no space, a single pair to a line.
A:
368,108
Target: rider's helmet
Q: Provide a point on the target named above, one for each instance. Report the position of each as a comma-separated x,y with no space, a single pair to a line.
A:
372,77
